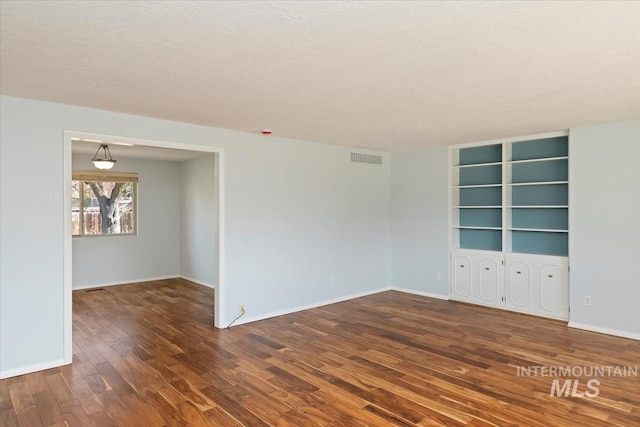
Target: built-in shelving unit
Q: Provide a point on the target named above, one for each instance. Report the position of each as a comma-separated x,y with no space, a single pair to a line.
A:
537,180
477,197
512,197
510,225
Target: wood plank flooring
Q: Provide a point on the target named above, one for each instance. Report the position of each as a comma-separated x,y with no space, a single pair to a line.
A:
147,355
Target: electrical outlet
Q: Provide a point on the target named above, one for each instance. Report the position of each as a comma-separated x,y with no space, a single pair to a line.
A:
438,277
587,300
242,310
333,280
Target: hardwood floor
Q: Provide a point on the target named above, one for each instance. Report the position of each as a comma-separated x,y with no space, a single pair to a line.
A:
147,355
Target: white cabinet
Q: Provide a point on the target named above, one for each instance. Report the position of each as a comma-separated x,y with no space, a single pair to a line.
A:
533,284
520,292
538,284
462,278
552,297
477,277
490,280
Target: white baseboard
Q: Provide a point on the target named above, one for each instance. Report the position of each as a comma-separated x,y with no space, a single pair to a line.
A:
31,368
126,282
423,294
617,333
198,282
250,319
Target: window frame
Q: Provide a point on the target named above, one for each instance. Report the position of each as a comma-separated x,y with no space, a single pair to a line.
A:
84,176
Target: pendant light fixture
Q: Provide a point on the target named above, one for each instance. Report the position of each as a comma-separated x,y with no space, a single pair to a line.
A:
105,161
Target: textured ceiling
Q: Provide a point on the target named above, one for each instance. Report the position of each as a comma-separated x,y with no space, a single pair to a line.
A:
383,75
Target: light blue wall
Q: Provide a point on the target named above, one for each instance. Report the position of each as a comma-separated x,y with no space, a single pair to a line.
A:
297,213
419,220
199,220
604,226
31,222
153,252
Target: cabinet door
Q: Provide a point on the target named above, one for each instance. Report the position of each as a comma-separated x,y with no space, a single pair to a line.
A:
538,284
520,287
553,290
490,281
462,284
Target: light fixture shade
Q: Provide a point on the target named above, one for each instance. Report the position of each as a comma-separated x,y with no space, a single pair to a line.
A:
103,164
105,161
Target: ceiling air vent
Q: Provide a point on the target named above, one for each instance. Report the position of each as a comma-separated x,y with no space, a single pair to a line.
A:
371,159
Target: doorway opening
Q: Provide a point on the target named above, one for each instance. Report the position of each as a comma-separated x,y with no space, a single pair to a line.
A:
191,176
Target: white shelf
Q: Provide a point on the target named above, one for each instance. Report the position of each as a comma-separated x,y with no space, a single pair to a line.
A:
478,186
545,180
465,227
477,207
515,184
543,159
539,207
544,230
475,165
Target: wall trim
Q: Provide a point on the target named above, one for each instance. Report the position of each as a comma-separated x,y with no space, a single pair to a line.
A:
243,320
615,332
32,368
126,282
251,319
198,282
421,293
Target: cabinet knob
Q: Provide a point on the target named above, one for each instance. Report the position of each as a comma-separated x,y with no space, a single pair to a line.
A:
462,266
487,268
518,272
550,276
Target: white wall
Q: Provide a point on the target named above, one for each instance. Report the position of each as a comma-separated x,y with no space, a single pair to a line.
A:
419,220
199,222
296,214
154,252
604,227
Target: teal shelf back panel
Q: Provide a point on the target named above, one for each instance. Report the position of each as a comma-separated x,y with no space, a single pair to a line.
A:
481,217
537,242
481,175
537,195
542,171
540,148
488,240
488,196
482,154
551,219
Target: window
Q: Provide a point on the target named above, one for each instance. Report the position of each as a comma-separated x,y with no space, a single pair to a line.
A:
103,203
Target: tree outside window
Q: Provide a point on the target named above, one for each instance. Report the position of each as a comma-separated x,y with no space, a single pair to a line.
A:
103,203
